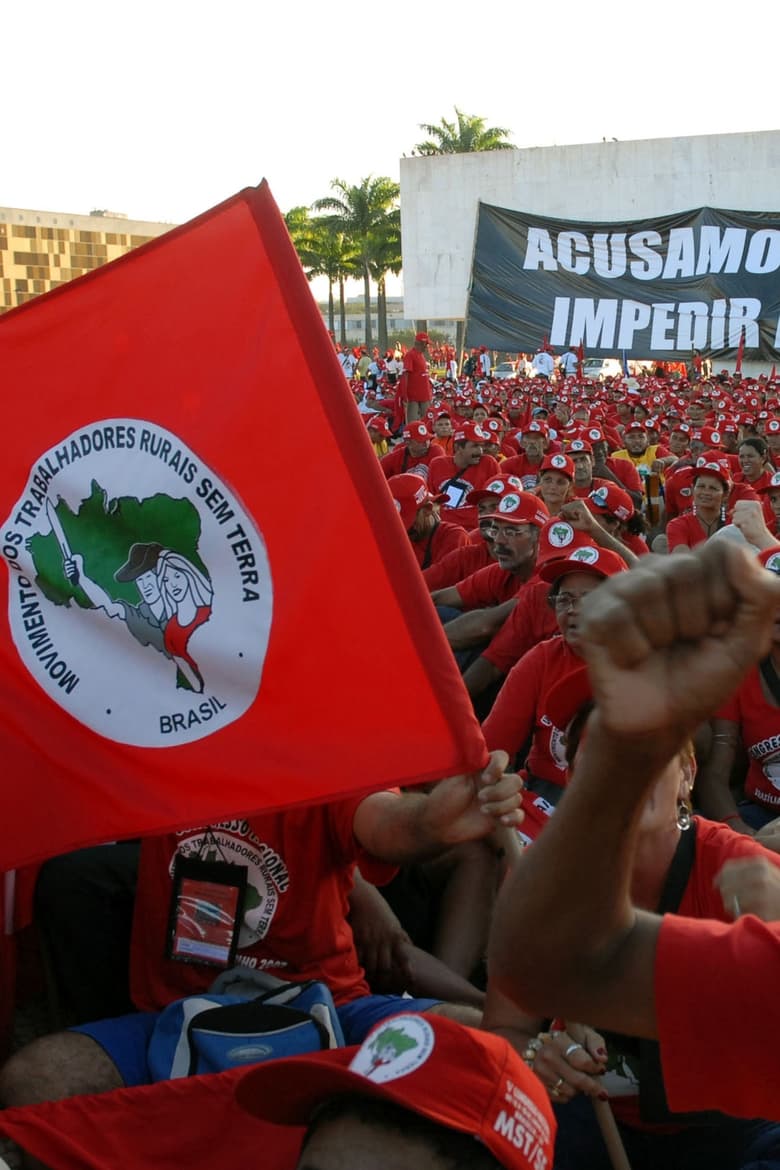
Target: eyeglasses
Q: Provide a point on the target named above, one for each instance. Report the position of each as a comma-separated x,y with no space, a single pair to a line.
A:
566,601
509,532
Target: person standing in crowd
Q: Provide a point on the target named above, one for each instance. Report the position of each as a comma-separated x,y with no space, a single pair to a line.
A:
543,364
415,384
348,362
569,362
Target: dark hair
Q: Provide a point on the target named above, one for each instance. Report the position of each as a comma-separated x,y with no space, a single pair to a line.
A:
757,443
461,1151
574,731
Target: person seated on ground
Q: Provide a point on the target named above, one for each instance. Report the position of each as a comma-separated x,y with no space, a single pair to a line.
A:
455,475
750,717
680,865
490,594
616,515
531,619
534,440
666,644
556,476
415,455
379,433
519,714
298,867
430,536
421,1093
710,486
618,471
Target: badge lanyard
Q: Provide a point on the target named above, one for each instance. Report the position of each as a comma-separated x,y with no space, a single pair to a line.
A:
207,907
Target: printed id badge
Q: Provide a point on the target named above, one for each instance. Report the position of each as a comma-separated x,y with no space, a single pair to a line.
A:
207,908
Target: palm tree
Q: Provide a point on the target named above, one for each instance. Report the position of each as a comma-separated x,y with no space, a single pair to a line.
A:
385,257
463,136
323,251
361,212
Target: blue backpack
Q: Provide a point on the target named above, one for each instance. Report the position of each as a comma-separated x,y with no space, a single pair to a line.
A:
215,1031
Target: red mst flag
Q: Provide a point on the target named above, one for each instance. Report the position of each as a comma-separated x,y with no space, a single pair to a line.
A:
200,623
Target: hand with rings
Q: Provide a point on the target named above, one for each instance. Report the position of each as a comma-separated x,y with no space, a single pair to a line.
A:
568,1062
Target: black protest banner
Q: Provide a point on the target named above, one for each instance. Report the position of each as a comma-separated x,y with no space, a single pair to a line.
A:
654,288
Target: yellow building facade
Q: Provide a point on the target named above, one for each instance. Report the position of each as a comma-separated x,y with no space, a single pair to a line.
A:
40,250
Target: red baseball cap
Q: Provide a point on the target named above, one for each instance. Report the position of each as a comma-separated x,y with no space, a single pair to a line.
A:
773,483
557,462
711,436
559,538
422,337
463,1079
537,427
518,507
580,447
469,432
588,558
709,463
410,492
610,500
497,488
770,559
378,422
418,432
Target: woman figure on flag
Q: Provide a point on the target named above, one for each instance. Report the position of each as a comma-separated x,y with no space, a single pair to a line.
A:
187,595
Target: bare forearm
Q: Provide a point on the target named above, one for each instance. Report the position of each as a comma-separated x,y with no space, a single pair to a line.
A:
480,675
477,626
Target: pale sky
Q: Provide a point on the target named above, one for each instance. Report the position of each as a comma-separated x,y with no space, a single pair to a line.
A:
163,109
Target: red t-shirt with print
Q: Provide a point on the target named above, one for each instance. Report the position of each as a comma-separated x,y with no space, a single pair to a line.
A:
299,870
759,729
518,712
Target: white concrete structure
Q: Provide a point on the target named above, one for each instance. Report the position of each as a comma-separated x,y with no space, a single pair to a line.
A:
608,181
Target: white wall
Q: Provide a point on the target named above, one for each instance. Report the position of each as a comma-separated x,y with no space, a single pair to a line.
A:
598,181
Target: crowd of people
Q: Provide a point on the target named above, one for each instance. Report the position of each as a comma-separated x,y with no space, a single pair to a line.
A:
602,558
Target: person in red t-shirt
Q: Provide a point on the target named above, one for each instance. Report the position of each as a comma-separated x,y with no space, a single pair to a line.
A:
299,868
665,646
519,711
709,499
527,465
415,455
456,475
615,512
414,386
619,471
431,537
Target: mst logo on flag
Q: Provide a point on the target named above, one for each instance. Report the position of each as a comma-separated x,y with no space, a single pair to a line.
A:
122,524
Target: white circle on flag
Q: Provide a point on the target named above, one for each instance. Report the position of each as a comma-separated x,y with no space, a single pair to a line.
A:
140,594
